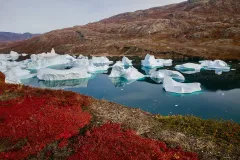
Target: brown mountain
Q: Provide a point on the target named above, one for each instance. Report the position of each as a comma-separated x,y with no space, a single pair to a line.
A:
201,28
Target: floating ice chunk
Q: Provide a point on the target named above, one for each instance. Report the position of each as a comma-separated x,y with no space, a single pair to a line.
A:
149,71
24,54
158,76
188,67
82,57
81,63
151,62
129,73
101,60
166,62
233,69
97,67
49,74
171,85
15,74
126,61
50,61
217,64
11,56
73,83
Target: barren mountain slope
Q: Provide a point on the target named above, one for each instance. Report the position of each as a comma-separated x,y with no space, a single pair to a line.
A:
196,28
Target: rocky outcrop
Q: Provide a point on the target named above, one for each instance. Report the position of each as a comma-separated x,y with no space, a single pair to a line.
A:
195,28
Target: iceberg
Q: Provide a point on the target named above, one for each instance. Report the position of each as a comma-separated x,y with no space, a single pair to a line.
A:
81,63
158,76
171,85
151,62
24,54
148,71
15,74
11,56
129,73
218,65
35,57
188,67
49,74
50,61
82,57
126,61
101,60
97,67
165,62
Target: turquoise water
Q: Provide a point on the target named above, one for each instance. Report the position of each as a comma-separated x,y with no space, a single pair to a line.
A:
219,98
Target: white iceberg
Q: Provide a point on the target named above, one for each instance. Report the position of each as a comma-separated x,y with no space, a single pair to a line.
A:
165,62
15,74
148,71
24,54
188,67
126,61
80,63
35,57
50,61
151,62
97,67
158,76
218,65
82,57
171,85
11,56
129,73
49,74
101,60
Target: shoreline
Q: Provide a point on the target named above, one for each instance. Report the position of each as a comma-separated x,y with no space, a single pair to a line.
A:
205,137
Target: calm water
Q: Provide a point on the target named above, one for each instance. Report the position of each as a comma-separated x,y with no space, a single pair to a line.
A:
219,98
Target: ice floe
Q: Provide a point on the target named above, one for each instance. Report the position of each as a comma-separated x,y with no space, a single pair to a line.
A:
129,73
150,62
126,61
49,74
171,85
158,76
15,74
189,67
100,60
11,56
50,61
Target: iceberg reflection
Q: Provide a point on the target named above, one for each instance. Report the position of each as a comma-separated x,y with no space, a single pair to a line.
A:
73,83
121,82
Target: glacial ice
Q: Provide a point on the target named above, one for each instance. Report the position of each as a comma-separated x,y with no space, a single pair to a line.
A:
151,62
166,62
100,60
81,63
49,61
82,57
11,56
148,71
158,76
126,61
218,65
15,74
189,67
24,54
97,67
129,73
171,85
49,74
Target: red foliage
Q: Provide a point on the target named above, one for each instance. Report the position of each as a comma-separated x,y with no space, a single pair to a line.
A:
39,120
111,142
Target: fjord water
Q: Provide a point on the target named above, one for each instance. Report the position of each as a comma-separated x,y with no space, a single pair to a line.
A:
219,98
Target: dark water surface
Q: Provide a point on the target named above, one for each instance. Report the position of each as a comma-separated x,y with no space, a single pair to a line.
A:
219,98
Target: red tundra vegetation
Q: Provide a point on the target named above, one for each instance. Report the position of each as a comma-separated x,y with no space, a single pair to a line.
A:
31,119
111,142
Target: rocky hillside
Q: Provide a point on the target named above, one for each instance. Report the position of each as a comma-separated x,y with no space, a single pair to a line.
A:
195,28
9,36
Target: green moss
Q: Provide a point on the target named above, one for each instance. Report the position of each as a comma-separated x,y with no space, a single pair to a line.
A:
220,131
9,95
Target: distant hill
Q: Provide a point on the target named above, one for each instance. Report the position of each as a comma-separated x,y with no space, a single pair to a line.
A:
9,36
208,29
